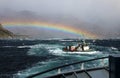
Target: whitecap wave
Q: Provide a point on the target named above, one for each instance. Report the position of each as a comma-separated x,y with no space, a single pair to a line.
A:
92,52
56,51
41,49
24,46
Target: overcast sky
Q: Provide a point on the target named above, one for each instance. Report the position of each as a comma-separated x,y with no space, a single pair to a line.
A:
98,16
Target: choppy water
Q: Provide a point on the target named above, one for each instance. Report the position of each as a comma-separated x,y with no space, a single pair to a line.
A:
21,58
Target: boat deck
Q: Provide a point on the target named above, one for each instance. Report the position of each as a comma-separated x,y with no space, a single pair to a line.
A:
94,72
101,72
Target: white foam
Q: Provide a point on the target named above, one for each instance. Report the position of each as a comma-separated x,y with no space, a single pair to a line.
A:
36,49
92,52
56,51
24,46
66,40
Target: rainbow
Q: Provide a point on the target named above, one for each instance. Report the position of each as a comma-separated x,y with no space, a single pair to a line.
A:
58,27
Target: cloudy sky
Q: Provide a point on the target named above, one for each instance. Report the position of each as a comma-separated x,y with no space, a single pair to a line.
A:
96,16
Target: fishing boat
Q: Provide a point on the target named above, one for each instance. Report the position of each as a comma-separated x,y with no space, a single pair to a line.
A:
83,47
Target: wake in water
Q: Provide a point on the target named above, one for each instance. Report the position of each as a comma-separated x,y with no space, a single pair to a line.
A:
34,56
55,57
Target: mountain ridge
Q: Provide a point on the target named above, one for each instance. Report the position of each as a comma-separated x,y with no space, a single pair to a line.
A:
4,33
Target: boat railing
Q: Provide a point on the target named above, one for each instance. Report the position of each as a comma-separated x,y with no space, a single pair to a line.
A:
82,66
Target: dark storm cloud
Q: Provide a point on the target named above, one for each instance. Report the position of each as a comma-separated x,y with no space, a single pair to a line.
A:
98,16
